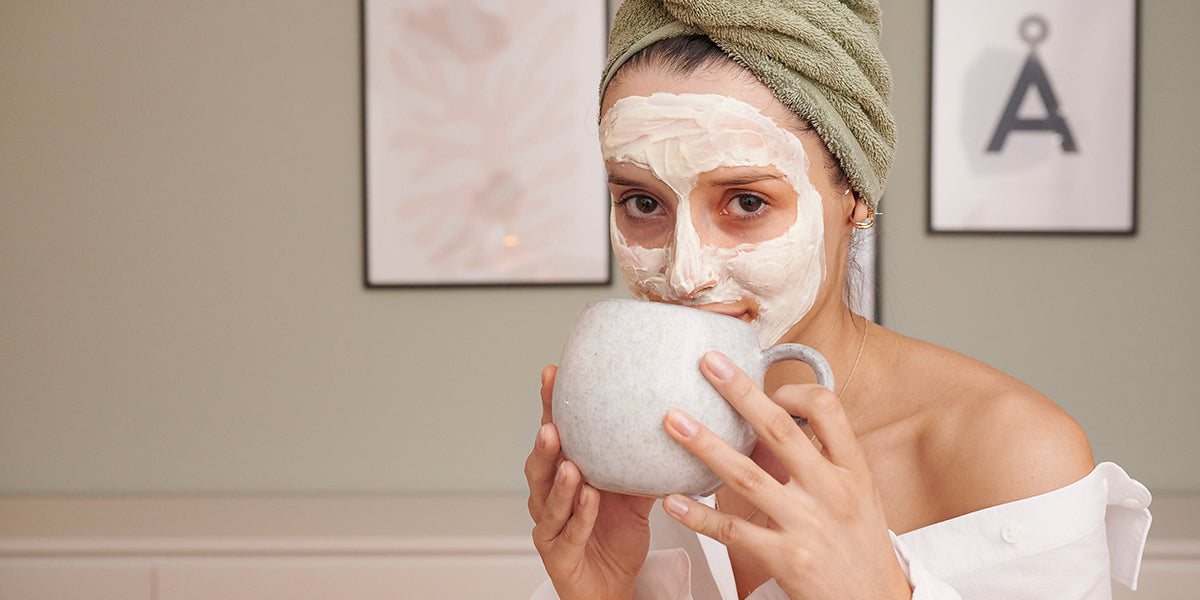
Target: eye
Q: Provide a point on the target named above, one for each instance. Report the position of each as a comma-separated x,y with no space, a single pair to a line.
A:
645,204
746,204
640,205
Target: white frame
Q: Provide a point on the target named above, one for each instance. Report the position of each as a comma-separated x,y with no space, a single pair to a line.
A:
1070,172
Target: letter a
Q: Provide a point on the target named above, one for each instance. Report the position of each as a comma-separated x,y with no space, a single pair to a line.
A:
1032,75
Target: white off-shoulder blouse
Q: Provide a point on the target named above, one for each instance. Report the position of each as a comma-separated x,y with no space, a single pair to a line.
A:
1068,544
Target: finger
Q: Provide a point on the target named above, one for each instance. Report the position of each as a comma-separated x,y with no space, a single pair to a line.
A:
540,468
736,533
559,504
767,461
774,425
828,421
579,528
737,470
548,375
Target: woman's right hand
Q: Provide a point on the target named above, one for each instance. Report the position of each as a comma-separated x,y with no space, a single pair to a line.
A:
592,543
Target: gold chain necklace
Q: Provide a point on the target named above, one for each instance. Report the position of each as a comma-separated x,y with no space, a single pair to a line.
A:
813,438
861,346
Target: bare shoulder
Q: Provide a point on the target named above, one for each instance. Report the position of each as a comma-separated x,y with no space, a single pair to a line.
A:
986,438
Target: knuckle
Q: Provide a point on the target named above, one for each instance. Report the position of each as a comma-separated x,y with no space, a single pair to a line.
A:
793,397
553,499
795,558
782,428
844,509
749,478
845,503
575,534
706,443
824,402
741,387
790,391
535,467
540,540
728,532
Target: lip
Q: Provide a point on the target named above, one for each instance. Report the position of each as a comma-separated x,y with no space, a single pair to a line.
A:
731,310
743,310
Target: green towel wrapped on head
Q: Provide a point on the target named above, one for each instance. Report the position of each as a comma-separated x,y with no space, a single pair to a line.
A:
820,57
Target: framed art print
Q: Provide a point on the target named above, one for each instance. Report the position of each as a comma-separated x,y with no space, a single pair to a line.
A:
1033,123
481,161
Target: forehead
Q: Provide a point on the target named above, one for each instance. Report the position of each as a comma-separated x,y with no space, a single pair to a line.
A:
679,135
726,79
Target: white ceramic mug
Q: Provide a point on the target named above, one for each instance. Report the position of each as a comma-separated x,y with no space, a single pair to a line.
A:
625,364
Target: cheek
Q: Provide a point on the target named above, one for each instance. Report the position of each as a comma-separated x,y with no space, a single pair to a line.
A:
771,267
639,266
646,235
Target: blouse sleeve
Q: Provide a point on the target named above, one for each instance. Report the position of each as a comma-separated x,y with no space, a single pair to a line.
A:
924,585
1068,543
1062,544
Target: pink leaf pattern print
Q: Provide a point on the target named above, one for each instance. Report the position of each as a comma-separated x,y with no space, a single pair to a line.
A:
483,164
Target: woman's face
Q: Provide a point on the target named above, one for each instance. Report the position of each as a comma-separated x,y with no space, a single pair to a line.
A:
716,203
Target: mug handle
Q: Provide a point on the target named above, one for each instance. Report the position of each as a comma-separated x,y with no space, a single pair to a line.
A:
804,354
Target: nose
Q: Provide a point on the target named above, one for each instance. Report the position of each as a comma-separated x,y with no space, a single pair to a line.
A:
687,288
695,291
689,273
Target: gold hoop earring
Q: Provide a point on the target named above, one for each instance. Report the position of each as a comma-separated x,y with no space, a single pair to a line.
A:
867,223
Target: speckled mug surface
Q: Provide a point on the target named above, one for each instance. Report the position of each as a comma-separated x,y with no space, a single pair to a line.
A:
625,364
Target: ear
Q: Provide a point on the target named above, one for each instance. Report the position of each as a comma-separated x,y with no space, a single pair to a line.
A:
860,212
862,216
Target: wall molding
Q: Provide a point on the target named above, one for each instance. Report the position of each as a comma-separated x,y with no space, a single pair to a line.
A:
185,547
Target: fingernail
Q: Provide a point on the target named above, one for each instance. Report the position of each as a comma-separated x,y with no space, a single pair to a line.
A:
562,473
720,366
683,423
676,506
583,496
540,442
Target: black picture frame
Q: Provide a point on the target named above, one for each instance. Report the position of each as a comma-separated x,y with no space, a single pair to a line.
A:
406,249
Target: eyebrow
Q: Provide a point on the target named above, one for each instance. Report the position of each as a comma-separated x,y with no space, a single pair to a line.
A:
617,179
742,177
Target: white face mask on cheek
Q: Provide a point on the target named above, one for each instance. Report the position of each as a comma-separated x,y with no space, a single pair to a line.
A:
678,138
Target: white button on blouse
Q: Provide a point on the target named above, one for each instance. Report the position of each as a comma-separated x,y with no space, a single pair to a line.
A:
1064,544
1011,533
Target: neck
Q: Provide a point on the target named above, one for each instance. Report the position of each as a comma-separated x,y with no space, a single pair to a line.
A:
836,332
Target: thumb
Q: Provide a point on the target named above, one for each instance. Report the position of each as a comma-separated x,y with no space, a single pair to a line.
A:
548,375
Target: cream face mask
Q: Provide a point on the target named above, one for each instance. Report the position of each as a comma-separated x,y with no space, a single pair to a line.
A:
678,138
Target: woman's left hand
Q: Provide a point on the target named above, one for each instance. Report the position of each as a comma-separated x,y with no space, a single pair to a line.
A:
828,537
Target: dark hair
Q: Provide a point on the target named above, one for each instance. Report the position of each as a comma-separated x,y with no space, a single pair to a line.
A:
681,55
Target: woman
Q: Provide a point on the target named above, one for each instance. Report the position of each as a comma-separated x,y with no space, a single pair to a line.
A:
741,161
